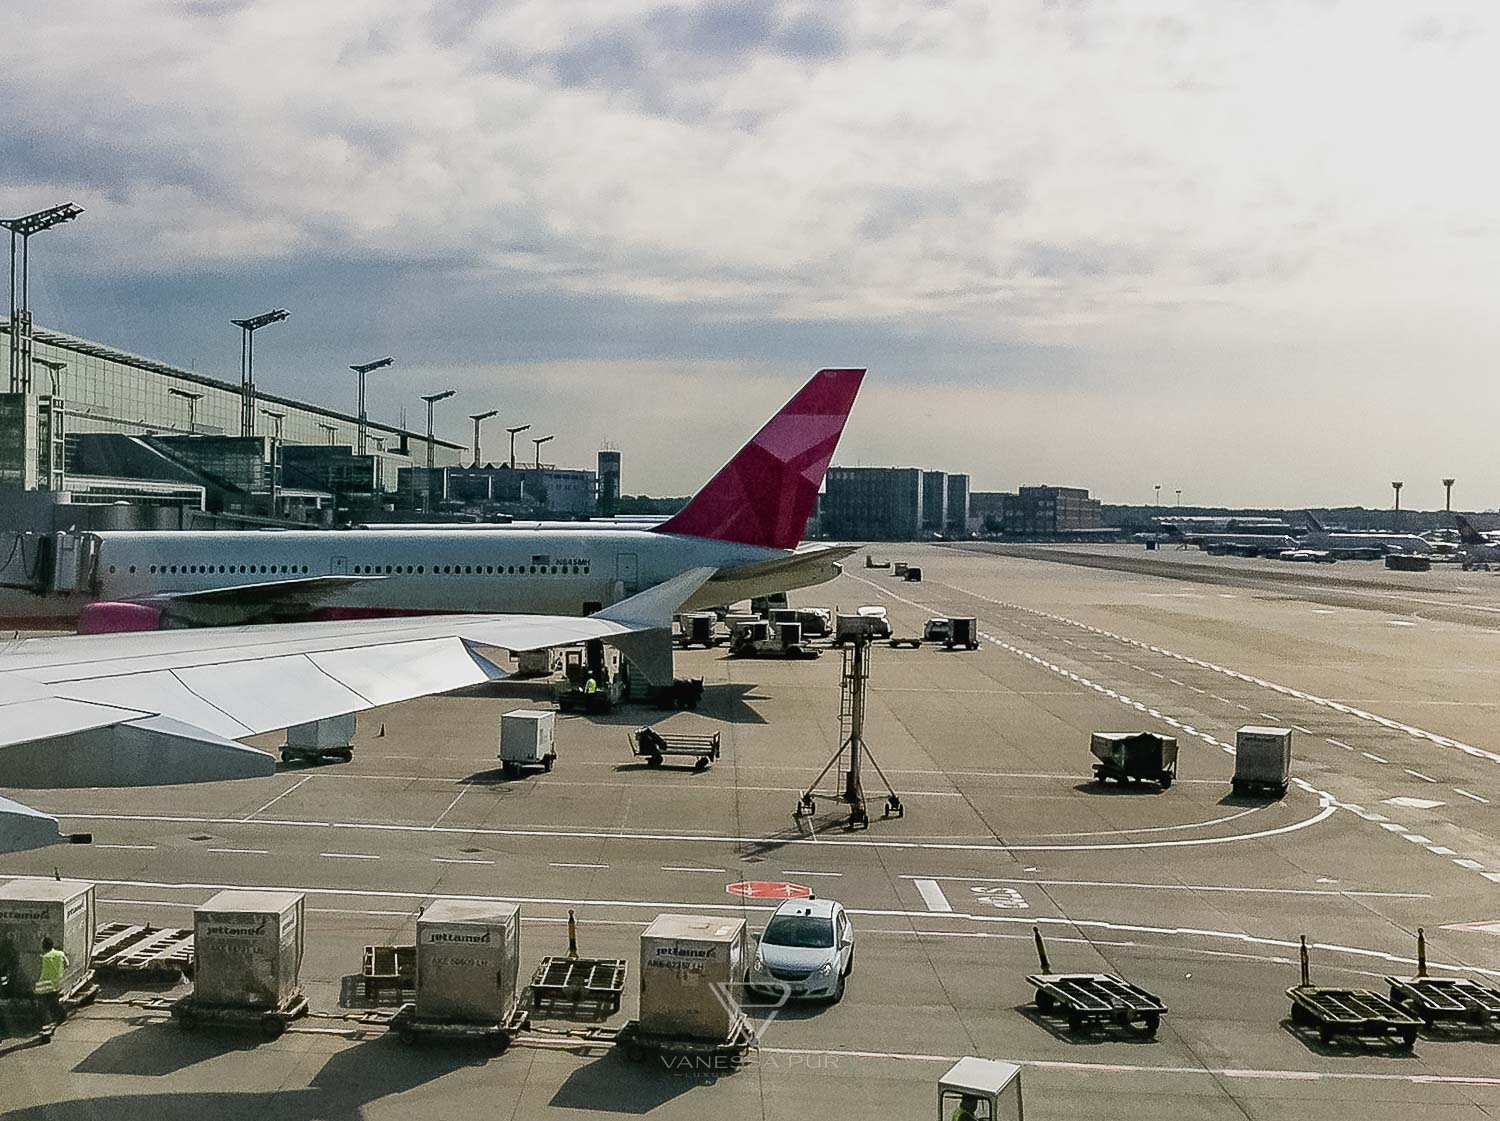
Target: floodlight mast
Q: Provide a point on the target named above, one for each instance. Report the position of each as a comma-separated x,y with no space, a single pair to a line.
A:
432,399
20,298
363,368
478,419
1448,496
539,441
248,327
192,400
513,431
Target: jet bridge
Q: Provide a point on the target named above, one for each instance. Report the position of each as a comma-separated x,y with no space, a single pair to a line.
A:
61,563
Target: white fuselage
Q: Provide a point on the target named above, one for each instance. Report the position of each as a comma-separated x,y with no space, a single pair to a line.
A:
548,571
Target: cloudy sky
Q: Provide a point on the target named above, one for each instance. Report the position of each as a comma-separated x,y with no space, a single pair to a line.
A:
1249,250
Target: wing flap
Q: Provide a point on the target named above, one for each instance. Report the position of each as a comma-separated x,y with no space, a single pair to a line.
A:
384,675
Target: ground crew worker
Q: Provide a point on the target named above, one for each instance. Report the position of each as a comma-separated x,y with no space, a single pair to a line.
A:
48,987
968,1109
590,685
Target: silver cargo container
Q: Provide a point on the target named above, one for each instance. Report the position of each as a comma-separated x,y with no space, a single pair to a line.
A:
248,948
1262,758
468,961
63,910
692,976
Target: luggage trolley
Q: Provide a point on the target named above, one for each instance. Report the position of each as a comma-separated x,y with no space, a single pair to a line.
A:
1350,1012
639,1045
653,746
1448,1000
1134,757
579,986
1089,999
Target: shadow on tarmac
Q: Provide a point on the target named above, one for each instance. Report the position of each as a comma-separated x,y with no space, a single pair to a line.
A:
1344,1045
612,1084
1056,1025
1117,789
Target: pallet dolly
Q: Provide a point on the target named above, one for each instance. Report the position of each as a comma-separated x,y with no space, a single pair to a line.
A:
271,1022
1090,999
639,1045
1450,1000
579,986
412,1029
1353,1012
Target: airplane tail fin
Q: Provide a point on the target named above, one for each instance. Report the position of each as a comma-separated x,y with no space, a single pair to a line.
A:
766,493
1466,531
1312,521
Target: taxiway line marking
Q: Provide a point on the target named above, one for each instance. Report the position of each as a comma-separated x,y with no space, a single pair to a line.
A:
1419,774
1338,743
349,855
686,868
804,872
458,860
289,790
242,852
134,848
1374,758
566,864
1467,794
1179,887
451,804
933,896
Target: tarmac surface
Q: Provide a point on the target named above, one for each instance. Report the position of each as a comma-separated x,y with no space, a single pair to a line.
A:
1193,893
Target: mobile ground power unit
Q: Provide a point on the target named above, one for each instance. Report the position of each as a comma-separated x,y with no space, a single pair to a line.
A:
63,910
1262,760
527,740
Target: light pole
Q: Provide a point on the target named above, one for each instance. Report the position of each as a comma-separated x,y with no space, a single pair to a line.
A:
478,419
1448,496
331,429
539,441
276,419
1158,494
1396,486
1179,496
363,368
56,449
248,327
20,309
513,431
432,399
192,400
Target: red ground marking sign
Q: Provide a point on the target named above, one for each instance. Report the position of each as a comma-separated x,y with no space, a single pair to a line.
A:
769,889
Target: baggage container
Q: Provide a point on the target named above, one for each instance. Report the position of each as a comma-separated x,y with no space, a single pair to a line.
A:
789,634
1134,756
1262,759
248,949
698,629
816,622
33,908
527,739
963,631
468,961
536,663
328,734
692,971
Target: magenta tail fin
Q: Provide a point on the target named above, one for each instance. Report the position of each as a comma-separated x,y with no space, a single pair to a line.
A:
766,493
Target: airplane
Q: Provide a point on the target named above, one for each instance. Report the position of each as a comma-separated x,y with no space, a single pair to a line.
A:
141,709
745,524
1356,544
1477,550
1241,544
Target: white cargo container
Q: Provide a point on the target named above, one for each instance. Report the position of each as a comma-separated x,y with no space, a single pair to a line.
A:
33,908
527,739
1262,759
468,961
692,977
247,948
320,739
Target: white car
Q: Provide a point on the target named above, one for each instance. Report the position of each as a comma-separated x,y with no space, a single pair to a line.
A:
806,950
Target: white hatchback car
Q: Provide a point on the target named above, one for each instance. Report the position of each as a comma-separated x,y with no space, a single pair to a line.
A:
806,950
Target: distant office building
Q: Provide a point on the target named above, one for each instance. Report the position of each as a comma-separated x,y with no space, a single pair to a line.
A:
956,519
1044,510
934,501
609,481
873,504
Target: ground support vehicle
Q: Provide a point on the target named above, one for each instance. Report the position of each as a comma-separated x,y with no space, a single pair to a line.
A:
142,951
578,986
191,1013
653,746
1134,757
411,1028
320,741
1446,1000
1091,1000
1334,1012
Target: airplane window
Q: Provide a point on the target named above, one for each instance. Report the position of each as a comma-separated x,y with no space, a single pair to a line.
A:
533,570
174,570
304,568
467,569
447,568
575,570
132,570
554,570
585,570
111,570
153,568
420,569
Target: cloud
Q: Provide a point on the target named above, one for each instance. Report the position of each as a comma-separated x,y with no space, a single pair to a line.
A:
1055,199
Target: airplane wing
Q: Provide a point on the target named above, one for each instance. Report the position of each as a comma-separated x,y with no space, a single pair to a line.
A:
240,605
170,706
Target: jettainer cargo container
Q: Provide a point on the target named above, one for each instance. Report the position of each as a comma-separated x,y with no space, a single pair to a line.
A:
468,961
33,908
248,949
692,971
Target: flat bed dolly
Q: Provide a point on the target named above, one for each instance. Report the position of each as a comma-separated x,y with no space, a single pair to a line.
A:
271,1022
1093,999
411,1028
582,986
131,950
1448,1000
317,756
639,1045
387,968
898,641
653,746
1349,1012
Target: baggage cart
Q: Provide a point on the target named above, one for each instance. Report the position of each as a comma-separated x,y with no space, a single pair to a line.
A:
191,1013
900,640
1134,757
698,629
1447,1000
962,631
900,569
578,986
1262,760
1090,1000
653,746
640,1045
320,741
1335,1012
388,968
913,574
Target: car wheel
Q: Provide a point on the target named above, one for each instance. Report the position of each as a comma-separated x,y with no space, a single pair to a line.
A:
838,990
849,967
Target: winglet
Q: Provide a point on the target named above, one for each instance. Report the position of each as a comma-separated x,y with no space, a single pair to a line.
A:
1313,522
766,493
655,607
1466,531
